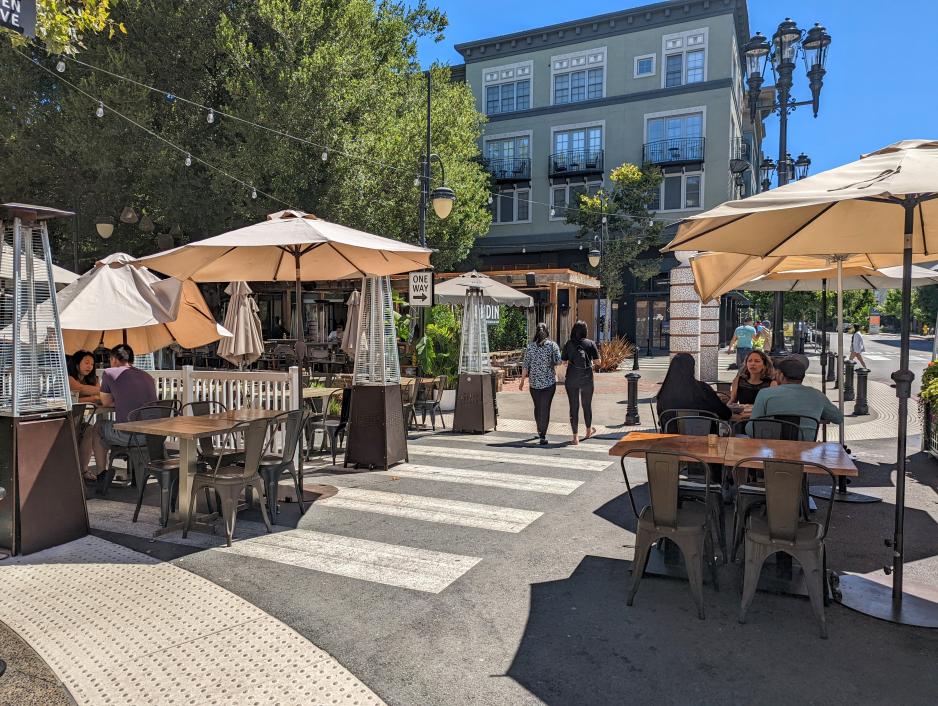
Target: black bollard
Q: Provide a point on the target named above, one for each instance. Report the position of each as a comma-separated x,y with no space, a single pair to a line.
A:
849,365
631,409
831,366
860,407
635,359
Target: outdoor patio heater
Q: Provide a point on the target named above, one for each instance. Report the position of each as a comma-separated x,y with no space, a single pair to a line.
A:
475,391
45,501
377,435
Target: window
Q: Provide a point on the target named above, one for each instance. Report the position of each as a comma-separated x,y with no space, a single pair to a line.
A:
512,206
580,148
566,197
678,192
675,138
685,58
578,77
644,66
508,88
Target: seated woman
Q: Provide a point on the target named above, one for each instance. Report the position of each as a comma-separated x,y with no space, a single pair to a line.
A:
681,390
83,383
757,374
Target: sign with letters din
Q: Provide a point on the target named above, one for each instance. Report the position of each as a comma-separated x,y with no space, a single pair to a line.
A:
19,16
491,314
420,291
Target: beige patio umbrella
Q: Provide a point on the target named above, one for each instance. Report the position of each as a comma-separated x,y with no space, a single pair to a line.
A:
246,343
350,332
453,291
116,303
290,246
885,203
60,275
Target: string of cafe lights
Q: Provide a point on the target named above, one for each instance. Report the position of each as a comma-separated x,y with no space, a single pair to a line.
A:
210,117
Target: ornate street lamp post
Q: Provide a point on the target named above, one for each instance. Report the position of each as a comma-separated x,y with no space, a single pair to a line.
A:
782,53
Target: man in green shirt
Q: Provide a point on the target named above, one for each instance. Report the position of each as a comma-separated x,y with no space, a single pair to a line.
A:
791,397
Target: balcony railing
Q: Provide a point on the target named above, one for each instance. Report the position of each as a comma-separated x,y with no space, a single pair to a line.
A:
509,168
675,151
574,162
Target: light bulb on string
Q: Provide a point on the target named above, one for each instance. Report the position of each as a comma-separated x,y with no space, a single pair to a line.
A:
490,199
210,118
60,66
416,181
325,154
253,193
188,159
100,111
524,251
553,212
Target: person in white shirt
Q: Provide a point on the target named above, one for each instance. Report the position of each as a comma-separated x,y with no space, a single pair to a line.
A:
856,346
336,336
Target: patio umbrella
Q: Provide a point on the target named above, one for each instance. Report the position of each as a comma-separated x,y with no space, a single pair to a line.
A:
246,343
60,275
453,291
115,303
350,333
884,203
290,246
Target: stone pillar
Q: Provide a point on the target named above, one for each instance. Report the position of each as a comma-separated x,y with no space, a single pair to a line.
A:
685,312
709,367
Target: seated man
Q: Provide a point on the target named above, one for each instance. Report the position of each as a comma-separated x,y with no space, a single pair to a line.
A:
791,397
336,336
126,388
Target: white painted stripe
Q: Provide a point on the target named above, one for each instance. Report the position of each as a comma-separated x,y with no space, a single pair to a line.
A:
513,481
525,459
598,446
418,507
389,564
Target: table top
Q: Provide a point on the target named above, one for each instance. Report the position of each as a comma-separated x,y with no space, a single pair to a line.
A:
732,449
675,443
196,427
310,393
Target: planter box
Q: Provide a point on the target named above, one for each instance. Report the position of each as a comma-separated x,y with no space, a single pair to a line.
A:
929,418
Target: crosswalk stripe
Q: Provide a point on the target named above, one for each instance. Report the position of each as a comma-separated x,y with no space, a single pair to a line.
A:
418,507
595,447
512,481
377,562
426,449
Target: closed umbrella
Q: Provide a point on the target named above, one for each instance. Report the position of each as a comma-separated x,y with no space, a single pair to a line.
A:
884,203
351,332
290,246
115,303
453,291
246,343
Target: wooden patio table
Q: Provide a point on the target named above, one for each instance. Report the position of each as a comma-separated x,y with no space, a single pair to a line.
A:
675,443
189,430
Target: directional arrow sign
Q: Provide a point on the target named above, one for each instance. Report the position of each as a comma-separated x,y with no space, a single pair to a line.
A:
420,292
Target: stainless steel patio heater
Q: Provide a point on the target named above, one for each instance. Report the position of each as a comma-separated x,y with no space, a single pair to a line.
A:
475,392
377,434
45,502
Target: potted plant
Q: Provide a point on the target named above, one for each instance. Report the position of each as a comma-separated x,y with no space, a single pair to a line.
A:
928,408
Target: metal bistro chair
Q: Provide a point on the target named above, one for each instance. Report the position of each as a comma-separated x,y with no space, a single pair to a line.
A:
782,529
698,482
208,451
688,526
134,453
228,482
430,401
750,494
333,427
409,398
158,465
272,466
669,414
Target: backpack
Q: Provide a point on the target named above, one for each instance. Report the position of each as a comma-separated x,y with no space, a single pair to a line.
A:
580,358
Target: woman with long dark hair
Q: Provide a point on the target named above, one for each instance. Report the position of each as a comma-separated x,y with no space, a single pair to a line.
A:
756,374
541,358
83,382
580,354
681,390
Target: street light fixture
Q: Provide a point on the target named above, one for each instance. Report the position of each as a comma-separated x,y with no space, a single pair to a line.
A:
815,46
767,169
442,199
105,226
594,257
801,165
756,50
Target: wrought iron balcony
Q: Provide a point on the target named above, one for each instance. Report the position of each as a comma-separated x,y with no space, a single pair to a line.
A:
576,163
509,168
684,150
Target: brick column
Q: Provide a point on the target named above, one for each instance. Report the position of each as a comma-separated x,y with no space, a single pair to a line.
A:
685,312
710,340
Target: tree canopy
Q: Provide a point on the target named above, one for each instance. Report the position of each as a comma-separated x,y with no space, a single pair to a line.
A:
340,75
63,25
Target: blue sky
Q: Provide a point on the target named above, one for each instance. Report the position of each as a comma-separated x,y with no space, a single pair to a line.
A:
878,88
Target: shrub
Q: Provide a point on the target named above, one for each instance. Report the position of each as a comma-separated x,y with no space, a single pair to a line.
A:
613,353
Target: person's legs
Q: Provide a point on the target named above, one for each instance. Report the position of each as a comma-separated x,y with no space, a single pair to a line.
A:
97,445
547,400
536,399
586,392
854,355
85,444
741,355
573,399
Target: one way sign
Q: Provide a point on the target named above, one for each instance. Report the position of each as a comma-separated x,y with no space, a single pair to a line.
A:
421,288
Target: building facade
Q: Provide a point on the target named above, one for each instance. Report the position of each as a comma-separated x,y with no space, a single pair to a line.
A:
566,104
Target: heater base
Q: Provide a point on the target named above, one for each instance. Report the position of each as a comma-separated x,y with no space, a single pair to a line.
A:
872,595
377,430
475,403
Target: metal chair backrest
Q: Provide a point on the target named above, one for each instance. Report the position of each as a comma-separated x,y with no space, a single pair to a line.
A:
440,386
408,392
82,413
293,421
670,414
156,445
663,470
799,420
776,428
697,425
200,409
724,387
255,441
334,397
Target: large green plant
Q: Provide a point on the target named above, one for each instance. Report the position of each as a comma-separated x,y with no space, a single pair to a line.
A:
438,348
511,331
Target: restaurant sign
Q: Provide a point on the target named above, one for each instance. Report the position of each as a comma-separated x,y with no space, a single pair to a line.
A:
19,16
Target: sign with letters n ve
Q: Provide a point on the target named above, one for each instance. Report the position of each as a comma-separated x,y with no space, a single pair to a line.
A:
420,292
19,16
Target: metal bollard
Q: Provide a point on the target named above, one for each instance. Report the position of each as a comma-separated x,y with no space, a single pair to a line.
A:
860,407
631,409
831,366
635,359
849,365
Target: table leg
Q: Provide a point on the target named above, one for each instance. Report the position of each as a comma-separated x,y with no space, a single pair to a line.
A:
187,461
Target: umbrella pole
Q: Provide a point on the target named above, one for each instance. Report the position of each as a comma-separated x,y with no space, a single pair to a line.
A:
824,345
866,594
300,346
840,346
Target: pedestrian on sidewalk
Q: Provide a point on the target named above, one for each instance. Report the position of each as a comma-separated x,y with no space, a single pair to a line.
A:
742,341
580,354
540,361
856,346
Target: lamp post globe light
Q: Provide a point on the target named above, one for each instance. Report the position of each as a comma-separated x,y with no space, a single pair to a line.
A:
594,257
787,43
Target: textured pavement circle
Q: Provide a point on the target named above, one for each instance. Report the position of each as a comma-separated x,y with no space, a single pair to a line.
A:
118,627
